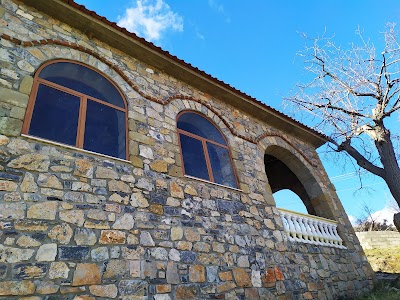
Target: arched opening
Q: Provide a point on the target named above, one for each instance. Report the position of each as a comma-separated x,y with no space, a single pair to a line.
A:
287,172
293,182
289,200
281,177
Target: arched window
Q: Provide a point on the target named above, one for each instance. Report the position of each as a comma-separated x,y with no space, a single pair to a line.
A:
204,150
75,105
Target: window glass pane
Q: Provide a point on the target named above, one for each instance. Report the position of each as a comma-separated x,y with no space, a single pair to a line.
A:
193,157
83,80
55,116
221,165
198,125
105,130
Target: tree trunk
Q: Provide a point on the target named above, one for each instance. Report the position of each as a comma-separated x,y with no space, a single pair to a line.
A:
391,170
396,221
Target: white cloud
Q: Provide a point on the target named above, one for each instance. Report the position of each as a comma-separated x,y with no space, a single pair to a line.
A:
151,18
199,35
216,6
385,213
219,8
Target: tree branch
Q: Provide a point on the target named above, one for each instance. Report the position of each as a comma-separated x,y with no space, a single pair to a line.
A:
360,159
333,107
341,82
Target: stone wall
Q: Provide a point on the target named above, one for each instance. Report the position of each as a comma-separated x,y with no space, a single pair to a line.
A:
76,225
379,239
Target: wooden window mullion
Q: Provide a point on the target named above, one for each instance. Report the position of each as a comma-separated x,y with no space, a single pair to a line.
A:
81,123
208,163
29,110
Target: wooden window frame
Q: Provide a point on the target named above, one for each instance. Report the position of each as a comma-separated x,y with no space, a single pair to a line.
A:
83,98
204,142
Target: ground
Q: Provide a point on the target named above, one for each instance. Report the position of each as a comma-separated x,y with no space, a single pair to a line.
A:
384,260
386,264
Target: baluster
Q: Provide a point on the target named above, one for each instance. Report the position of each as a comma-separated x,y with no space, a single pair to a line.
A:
285,224
306,232
299,233
319,234
334,234
313,232
329,235
325,235
291,227
283,218
340,241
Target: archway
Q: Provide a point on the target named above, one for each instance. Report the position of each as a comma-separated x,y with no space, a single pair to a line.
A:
289,200
286,171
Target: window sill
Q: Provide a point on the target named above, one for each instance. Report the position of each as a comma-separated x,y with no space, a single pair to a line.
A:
213,183
30,137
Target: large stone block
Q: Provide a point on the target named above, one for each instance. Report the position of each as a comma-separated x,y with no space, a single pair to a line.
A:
32,161
10,126
8,186
26,84
141,138
47,252
29,271
186,292
197,273
116,268
16,288
15,255
112,237
13,97
242,278
138,288
106,291
45,211
12,210
73,253
86,274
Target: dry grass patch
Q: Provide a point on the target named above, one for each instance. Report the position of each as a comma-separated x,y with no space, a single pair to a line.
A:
384,260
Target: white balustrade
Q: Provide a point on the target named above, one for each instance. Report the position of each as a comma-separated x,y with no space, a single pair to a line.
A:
310,229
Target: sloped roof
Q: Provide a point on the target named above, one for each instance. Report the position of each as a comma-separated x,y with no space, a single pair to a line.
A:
88,21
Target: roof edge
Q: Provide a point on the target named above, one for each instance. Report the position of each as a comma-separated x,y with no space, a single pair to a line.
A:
89,22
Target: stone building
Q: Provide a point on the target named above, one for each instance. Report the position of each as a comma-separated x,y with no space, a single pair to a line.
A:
127,173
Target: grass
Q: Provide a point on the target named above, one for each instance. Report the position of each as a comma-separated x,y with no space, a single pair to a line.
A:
384,260
382,291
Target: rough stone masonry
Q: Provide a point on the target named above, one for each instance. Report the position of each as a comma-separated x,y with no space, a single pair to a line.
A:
76,225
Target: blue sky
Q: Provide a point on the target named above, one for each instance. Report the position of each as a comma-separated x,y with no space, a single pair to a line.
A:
252,45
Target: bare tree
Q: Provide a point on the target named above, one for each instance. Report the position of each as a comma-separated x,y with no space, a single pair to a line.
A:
369,220
354,94
393,205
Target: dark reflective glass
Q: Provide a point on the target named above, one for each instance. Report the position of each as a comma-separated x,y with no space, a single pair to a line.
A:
221,165
83,80
55,116
198,125
193,157
105,130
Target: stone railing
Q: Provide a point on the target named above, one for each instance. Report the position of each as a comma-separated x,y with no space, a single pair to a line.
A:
310,229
